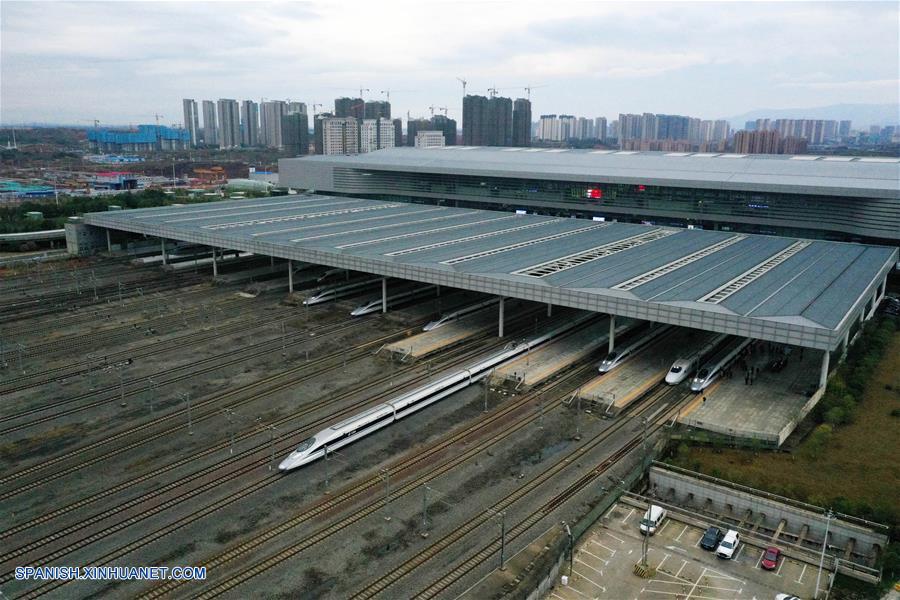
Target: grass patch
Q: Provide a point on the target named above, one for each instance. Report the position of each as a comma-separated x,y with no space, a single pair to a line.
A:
852,467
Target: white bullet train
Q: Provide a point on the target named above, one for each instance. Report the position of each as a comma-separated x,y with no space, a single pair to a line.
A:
618,356
360,425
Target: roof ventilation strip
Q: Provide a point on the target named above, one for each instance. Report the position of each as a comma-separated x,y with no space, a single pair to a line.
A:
526,243
573,260
718,295
677,264
423,232
346,211
470,238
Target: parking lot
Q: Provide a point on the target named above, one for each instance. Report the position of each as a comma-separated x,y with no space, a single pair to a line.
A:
605,557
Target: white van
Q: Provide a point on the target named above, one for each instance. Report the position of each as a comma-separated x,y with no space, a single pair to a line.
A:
728,544
653,518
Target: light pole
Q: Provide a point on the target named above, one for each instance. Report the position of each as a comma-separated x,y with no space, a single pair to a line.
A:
186,396
828,516
272,432
386,477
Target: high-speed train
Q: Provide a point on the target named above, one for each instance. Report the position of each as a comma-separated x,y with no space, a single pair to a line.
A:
373,306
683,367
360,425
617,357
721,359
459,314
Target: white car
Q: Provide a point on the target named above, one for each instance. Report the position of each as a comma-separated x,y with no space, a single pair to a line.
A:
729,544
786,597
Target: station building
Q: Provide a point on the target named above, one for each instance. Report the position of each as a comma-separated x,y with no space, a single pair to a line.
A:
839,198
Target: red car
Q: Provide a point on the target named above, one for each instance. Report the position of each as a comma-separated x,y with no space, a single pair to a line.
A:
770,559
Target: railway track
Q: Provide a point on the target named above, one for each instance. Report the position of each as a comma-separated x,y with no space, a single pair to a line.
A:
83,367
652,399
424,456
235,475
196,417
172,375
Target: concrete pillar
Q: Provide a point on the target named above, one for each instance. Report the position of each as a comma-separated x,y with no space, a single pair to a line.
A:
108,241
883,288
612,332
290,277
500,326
846,345
215,264
162,243
549,310
384,294
438,290
272,261
823,376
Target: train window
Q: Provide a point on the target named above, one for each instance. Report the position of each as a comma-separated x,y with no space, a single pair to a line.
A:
305,445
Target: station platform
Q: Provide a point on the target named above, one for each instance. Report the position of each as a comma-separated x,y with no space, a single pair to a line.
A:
429,342
770,408
548,360
265,272
615,390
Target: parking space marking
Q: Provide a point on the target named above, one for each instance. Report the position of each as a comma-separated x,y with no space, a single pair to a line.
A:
683,565
665,558
555,595
663,528
678,539
759,560
630,512
598,571
739,551
688,596
803,572
608,549
721,575
618,539
778,572
591,580
574,589
603,560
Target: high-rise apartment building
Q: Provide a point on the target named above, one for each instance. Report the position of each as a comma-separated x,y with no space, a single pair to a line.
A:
757,142
844,129
375,134
291,108
349,107
447,126
379,109
414,126
548,128
191,120
295,133
398,132
475,118
429,139
600,128
249,123
521,134
499,125
337,135
210,136
229,119
270,123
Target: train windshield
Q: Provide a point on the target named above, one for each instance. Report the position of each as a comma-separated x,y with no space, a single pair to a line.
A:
305,445
703,374
611,356
676,369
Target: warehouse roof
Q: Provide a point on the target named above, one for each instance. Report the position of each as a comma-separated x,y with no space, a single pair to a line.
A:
803,292
807,174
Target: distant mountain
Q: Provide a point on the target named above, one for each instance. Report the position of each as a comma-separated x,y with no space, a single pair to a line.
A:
862,115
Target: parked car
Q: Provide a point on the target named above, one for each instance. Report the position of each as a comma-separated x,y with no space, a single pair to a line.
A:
653,518
770,558
711,539
786,597
729,544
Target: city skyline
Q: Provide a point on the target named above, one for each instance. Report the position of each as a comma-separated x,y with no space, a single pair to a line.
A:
748,58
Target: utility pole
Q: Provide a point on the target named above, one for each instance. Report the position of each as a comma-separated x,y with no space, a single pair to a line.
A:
386,477
272,432
503,541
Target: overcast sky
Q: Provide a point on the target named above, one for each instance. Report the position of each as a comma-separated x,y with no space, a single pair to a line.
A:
121,62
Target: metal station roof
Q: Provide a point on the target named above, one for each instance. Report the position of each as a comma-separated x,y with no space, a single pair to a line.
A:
877,177
802,292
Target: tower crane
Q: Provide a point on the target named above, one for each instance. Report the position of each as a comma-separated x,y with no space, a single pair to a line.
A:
431,108
314,105
464,82
528,89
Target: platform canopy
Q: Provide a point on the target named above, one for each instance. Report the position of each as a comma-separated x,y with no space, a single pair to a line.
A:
794,291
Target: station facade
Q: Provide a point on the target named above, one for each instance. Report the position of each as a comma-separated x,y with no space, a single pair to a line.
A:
815,197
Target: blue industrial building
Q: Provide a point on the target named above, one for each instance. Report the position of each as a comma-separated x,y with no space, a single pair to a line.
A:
147,138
